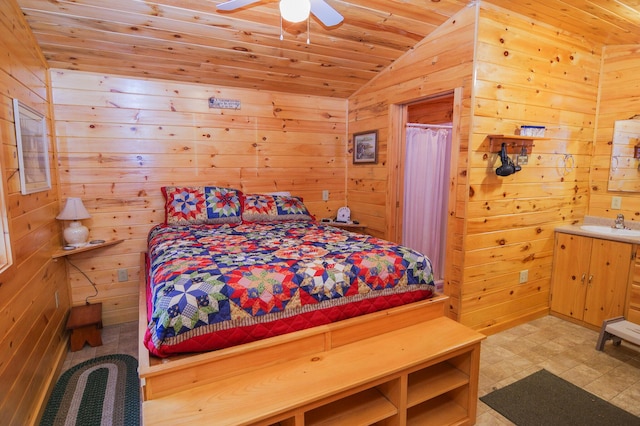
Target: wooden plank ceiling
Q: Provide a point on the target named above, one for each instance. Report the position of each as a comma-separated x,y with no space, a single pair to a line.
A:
190,41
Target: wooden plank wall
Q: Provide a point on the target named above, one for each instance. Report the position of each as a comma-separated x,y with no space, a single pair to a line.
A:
121,139
527,74
435,111
439,64
33,340
619,100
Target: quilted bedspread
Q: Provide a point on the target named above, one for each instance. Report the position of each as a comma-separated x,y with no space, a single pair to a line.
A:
215,286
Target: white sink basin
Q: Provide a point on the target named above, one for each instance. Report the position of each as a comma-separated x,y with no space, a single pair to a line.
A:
607,230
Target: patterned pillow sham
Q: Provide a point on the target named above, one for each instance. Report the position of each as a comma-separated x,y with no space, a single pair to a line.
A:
264,208
188,205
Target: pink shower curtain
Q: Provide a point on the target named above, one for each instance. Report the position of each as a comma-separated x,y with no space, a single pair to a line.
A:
426,193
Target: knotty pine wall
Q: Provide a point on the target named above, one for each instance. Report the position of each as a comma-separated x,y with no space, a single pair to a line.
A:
436,111
33,340
619,100
441,63
525,73
121,139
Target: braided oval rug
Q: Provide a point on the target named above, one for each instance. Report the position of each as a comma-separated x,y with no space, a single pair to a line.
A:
100,391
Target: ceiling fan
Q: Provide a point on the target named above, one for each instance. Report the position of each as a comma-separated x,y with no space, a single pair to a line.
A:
294,10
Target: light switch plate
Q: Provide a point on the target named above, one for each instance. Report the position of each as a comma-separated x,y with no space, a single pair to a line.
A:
616,203
524,276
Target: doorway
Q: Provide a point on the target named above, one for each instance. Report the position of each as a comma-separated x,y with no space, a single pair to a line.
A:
436,117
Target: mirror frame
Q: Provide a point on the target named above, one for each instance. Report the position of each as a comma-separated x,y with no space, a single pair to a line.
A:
624,169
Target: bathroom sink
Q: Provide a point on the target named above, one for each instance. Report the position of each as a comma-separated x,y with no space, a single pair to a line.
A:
607,230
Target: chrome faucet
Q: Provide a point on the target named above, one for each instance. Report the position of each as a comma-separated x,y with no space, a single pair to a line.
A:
619,223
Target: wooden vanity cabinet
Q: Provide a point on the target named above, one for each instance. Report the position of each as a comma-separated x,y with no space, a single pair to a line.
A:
590,278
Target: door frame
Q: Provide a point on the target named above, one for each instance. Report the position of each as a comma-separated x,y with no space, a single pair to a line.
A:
397,146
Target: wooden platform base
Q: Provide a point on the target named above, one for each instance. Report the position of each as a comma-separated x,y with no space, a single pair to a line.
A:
426,374
404,365
85,323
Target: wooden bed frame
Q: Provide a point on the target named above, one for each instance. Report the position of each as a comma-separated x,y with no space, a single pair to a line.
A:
183,388
162,376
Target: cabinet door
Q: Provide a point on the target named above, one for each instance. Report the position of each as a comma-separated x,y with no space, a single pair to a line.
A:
632,310
608,280
569,276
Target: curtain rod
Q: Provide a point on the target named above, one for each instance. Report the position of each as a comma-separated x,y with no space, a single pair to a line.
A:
430,126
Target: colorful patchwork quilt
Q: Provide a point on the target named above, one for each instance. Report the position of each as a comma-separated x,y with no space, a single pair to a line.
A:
216,286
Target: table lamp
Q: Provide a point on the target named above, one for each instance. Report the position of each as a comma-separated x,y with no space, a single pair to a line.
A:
75,234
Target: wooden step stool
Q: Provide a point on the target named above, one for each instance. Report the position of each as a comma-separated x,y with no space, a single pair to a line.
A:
618,329
85,323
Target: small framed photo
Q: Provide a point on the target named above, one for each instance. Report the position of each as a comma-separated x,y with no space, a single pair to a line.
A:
33,149
365,147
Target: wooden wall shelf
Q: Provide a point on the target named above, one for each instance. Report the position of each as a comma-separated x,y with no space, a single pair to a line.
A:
514,143
354,227
62,252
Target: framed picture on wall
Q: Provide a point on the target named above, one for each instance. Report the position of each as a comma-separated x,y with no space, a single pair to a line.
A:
365,147
33,149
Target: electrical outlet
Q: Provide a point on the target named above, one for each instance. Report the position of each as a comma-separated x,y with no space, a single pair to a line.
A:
616,203
123,275
524,276
325,195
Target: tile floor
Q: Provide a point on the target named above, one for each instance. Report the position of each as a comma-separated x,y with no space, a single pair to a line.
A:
563,348
116,339
566,350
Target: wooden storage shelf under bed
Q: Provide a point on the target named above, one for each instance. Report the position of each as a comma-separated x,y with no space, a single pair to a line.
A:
411,363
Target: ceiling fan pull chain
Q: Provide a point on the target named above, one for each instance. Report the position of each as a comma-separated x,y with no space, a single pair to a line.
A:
308,17
281,36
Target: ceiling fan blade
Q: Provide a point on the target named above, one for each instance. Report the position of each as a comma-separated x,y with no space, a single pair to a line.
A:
235,4
325,13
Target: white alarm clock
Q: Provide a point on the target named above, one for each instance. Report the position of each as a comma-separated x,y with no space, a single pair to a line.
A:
344,215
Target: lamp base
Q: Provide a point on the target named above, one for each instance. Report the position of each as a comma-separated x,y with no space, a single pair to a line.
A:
76,234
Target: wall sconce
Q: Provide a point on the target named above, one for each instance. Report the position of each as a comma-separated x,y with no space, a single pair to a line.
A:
76,234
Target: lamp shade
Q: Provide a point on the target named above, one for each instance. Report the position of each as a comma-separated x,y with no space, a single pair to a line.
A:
73,210
295,10
75,234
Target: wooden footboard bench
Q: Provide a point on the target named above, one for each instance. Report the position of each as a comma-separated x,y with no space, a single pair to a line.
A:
422,374
398,366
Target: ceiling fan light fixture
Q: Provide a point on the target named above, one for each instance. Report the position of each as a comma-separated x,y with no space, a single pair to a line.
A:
295,10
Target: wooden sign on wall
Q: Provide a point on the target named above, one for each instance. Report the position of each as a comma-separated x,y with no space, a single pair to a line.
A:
224,103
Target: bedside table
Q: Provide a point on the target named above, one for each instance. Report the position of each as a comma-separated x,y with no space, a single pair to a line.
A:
62,252
354,227
85,321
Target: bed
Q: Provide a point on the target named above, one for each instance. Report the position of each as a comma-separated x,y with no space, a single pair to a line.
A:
235,282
